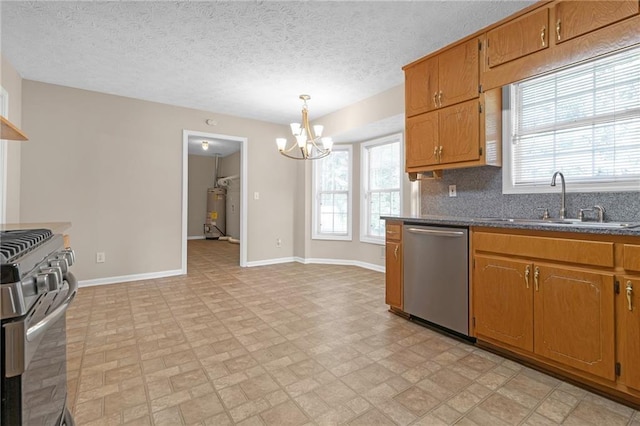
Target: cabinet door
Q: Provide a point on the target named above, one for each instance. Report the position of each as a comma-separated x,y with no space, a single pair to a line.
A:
459,132
574,322
422,140
421,87
458,70
518,38
575,18
628,317
503,300
393,274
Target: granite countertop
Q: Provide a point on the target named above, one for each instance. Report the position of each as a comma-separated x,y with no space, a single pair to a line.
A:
593,228
55,227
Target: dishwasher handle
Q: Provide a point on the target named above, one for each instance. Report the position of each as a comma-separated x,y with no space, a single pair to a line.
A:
436,232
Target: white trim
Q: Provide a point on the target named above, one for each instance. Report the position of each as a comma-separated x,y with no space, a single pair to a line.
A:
318,261
129,278
244,173
267,262
196,237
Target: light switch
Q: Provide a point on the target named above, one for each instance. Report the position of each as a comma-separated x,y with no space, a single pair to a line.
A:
256,195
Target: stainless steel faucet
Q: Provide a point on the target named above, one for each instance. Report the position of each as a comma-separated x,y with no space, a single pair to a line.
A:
563,210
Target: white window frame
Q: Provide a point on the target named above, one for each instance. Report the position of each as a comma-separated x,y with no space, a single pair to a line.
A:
4,111
315,221
508,186
364,184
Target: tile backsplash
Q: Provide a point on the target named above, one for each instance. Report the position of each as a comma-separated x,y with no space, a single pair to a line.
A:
479,194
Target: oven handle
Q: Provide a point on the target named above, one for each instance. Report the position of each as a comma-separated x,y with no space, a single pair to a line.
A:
41,326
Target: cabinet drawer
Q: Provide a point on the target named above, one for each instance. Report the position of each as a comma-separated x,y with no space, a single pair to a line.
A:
594,253
518,38
394,231
631,257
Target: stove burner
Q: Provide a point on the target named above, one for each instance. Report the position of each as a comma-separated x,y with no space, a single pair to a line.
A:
14,244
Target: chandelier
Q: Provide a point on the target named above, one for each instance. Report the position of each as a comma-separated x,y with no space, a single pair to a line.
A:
309,145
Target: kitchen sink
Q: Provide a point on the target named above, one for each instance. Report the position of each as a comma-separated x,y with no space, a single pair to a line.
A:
561,222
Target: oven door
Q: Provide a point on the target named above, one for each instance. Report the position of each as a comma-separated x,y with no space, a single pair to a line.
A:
34,365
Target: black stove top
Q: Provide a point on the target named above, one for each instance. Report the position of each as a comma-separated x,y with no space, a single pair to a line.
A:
14,244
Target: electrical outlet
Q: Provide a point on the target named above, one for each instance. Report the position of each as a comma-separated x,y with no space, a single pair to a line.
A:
100,257
452,191
278,242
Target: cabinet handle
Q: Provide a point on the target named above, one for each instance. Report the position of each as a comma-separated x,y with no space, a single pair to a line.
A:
543,33
440,99
536,275
395,252
435,153
440,154
558,28
435,99
629,292
527,272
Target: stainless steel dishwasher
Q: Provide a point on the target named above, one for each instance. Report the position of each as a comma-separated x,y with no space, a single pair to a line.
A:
436,275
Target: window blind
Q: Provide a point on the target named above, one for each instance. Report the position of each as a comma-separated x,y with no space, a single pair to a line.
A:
583,120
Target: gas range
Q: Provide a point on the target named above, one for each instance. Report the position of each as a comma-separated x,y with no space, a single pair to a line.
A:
36,289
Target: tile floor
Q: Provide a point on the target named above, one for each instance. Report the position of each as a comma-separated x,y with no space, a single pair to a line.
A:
292,344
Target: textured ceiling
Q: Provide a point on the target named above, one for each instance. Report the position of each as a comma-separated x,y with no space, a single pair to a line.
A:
244,58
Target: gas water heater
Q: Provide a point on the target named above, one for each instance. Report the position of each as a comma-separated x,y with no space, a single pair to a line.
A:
215,225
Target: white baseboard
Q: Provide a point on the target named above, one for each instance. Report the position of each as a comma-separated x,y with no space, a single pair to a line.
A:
127,278
270,261
343,262
196,237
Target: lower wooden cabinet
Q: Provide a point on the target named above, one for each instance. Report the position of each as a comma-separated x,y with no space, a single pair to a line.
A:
503,300
574,318
628,331
561,313
569,302
393,265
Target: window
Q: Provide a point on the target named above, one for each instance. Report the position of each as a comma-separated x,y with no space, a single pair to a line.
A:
332,195
583,121
381,161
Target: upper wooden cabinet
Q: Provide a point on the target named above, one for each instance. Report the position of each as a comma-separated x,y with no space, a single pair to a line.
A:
10,131
551,35
520,37
445,79
575,18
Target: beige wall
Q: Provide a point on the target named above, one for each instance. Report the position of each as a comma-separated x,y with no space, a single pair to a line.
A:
12,83
387,104
113,167
200,179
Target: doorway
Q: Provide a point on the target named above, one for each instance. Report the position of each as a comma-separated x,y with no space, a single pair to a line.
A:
224,142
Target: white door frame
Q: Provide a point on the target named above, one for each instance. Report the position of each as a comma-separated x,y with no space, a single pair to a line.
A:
243,190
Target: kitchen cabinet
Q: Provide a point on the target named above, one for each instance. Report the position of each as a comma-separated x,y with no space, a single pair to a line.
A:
628,316
393,265
573,19
628,331
503,300
519,37
463,135
444,79
10,132
532,295
552,35
446,136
